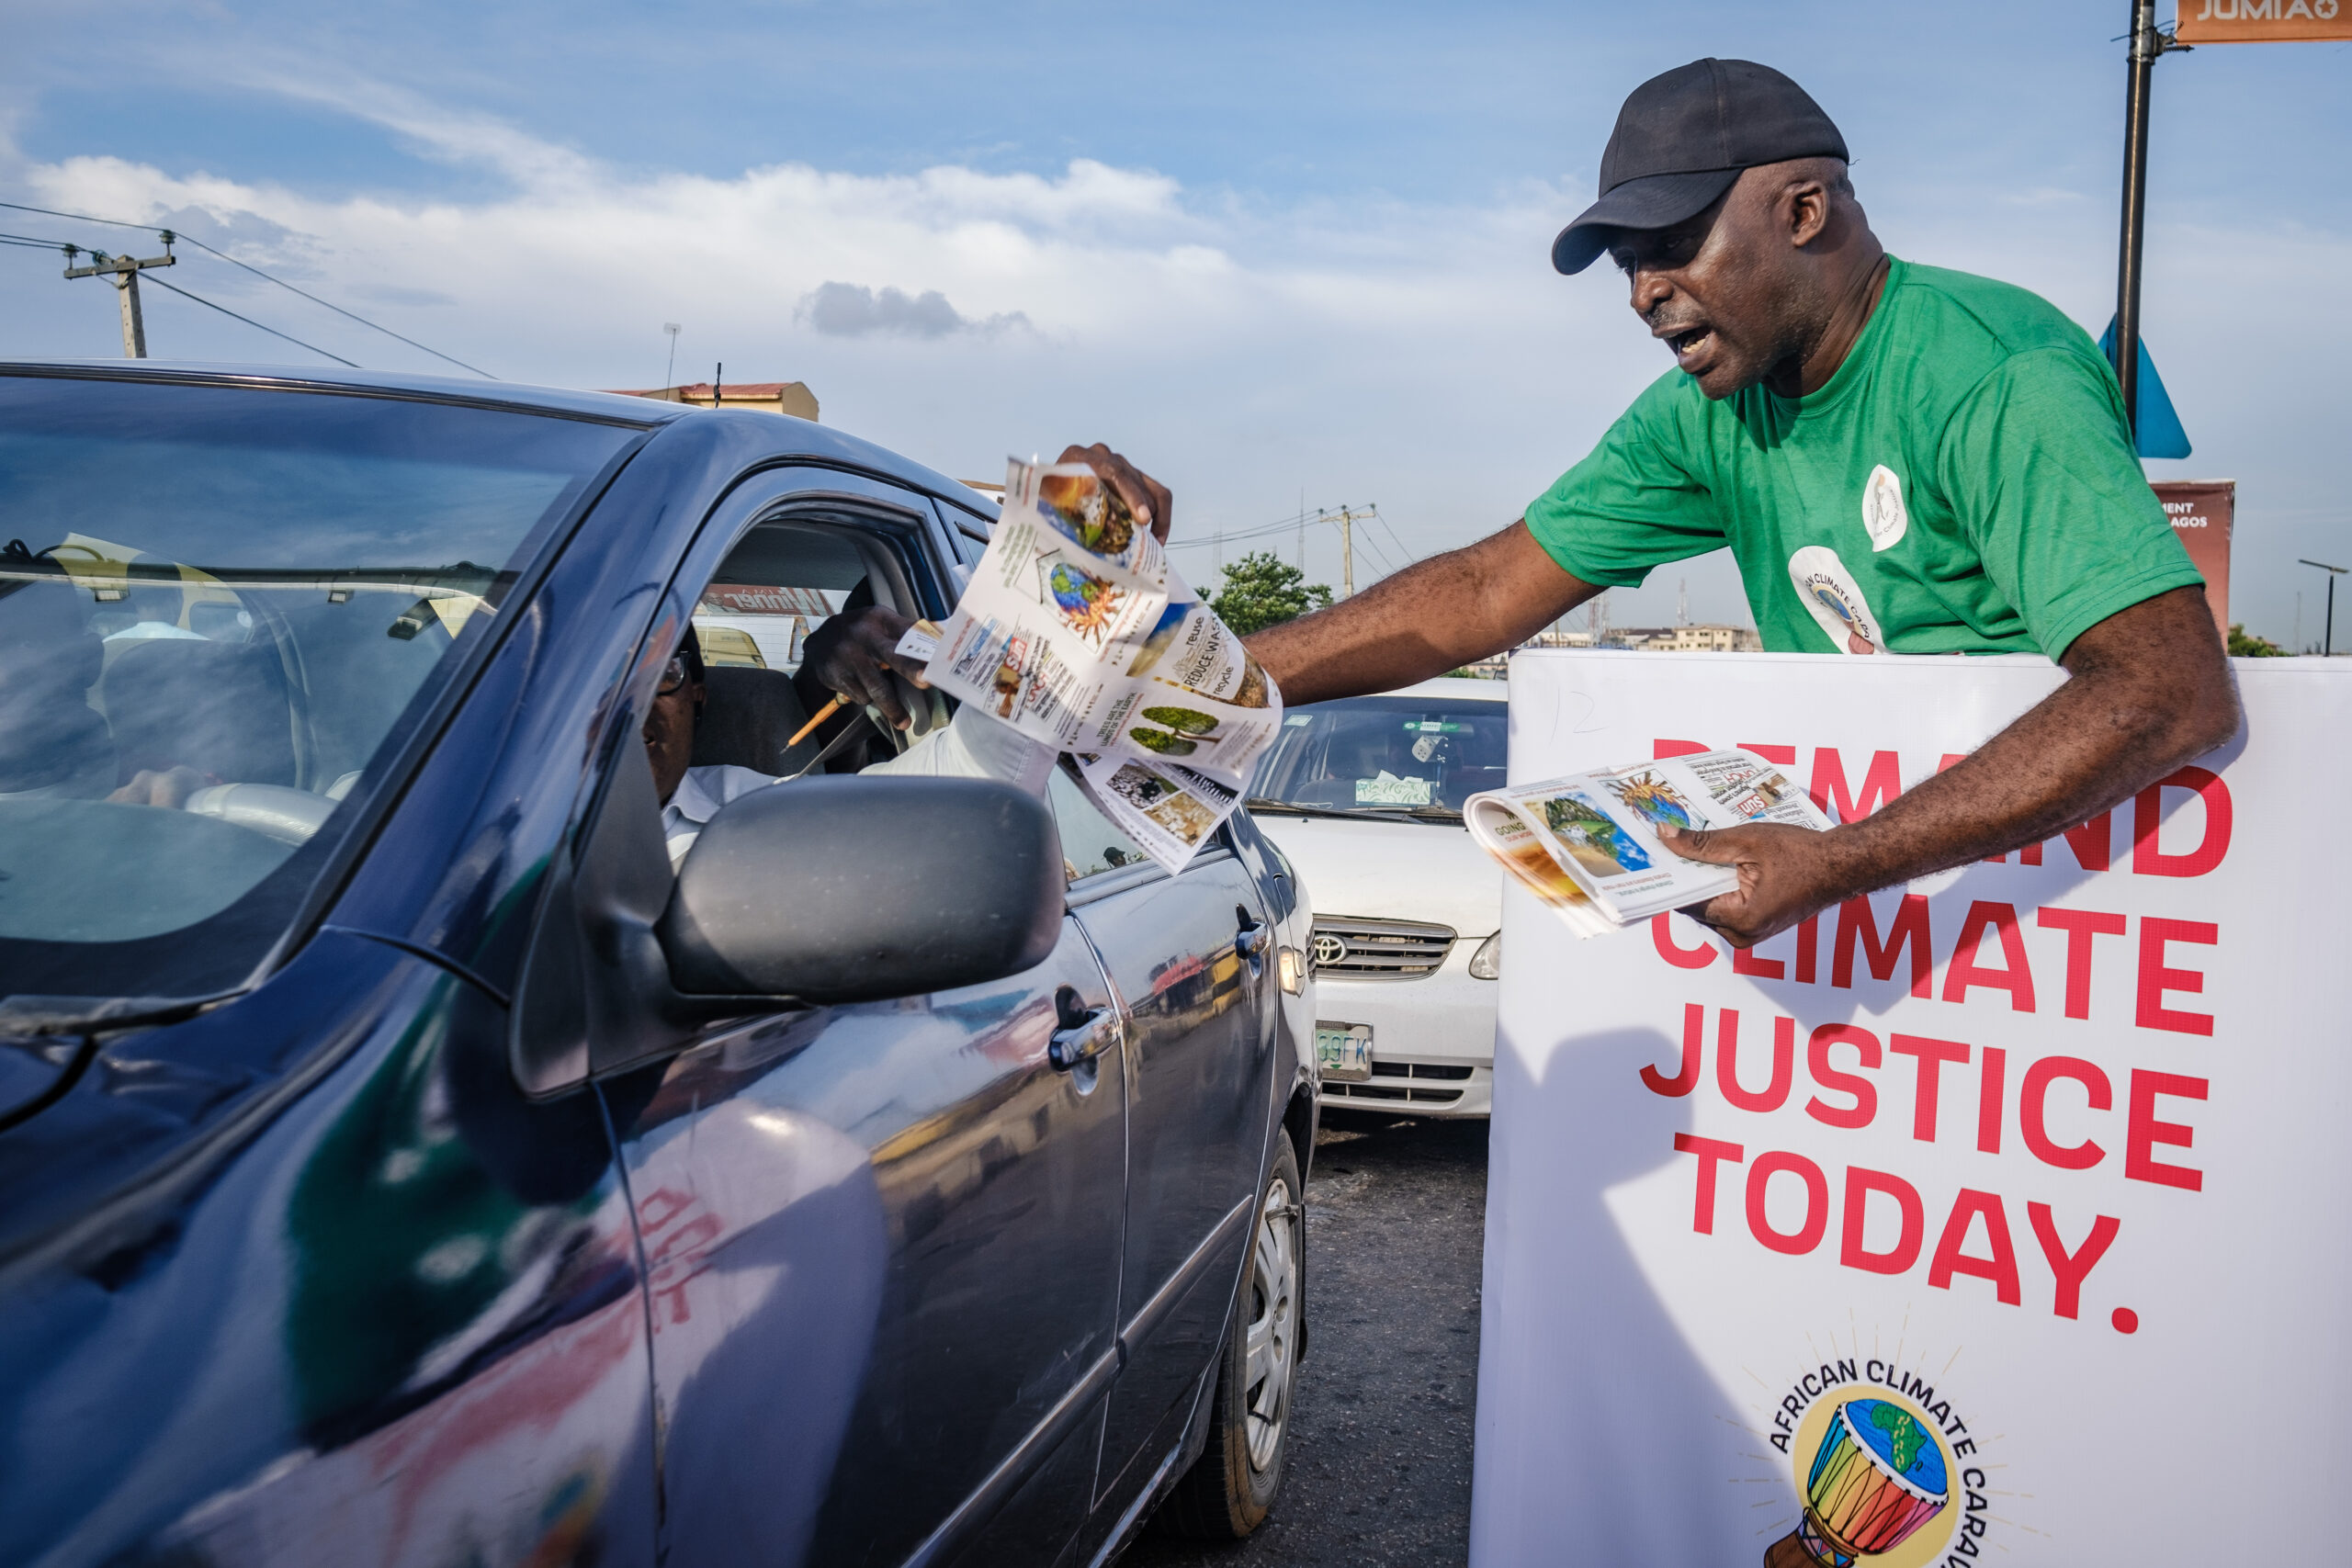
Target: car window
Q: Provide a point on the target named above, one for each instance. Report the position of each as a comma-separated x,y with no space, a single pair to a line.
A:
753,716
1090,845
217,605
1386,753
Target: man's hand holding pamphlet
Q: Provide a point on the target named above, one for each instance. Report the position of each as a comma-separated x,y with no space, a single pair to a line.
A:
1587,844
1077,631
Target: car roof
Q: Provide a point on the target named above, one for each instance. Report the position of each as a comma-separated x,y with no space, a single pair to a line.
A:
788,435
1455,689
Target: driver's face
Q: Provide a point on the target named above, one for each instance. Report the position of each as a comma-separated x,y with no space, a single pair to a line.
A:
670,736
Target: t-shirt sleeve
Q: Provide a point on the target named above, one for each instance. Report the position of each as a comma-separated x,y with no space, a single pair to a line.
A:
1632,505
2043,477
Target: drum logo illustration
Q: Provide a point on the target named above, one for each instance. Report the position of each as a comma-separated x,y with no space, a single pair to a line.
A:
1879,1474
1887,1472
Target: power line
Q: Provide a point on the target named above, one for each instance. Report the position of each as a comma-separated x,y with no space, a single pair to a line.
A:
250,323
1410,557
1284,526
189,239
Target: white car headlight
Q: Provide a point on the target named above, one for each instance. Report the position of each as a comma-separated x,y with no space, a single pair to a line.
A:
1487,964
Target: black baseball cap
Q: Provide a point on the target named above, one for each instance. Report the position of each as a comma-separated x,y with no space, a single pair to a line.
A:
1683,137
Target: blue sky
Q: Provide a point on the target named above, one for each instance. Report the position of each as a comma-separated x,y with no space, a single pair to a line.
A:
1271,251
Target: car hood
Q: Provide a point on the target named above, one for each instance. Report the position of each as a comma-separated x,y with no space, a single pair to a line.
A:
1392,871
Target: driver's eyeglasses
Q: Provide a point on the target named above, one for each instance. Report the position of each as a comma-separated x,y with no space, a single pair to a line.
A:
673,674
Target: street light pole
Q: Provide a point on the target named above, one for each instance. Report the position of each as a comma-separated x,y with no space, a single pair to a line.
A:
2327,638
2146,44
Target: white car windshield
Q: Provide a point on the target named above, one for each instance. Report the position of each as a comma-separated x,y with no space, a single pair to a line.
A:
220,608
1385,756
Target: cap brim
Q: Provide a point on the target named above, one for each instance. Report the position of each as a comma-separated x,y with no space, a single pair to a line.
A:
1653,201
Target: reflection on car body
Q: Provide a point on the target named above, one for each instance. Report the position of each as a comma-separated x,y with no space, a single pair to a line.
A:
425,1199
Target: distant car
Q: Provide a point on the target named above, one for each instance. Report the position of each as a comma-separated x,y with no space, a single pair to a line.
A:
401,1167
1364,798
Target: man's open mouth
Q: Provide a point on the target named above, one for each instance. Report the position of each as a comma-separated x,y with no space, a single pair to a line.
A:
1688,339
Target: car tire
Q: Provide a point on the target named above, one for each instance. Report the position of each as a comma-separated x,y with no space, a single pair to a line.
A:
1232,1486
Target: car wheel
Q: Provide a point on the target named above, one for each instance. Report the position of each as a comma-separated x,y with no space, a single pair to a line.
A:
1231,1487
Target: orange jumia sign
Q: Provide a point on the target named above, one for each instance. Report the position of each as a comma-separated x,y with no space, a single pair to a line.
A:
2264,21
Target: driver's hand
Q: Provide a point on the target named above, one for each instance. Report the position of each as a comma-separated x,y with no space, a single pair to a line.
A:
1144,496
169,788
852,656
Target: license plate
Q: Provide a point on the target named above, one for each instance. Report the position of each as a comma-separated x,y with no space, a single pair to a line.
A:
1344,1050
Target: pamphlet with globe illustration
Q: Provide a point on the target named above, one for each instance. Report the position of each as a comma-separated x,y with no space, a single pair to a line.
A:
1587,846
1077,631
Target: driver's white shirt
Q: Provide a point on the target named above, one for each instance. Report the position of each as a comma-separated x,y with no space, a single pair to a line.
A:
974,746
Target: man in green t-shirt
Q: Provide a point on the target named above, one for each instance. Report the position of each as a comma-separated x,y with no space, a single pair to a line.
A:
1902,459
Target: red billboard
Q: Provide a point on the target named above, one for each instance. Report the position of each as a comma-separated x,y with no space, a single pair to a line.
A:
2201,512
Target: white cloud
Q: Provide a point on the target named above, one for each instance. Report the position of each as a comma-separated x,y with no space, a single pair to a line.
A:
1424,357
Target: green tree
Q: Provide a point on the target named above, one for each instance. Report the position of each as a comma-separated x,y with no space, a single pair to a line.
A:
2244,646
1260,590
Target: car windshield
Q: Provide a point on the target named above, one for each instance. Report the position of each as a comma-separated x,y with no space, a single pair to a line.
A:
1386,756
222,610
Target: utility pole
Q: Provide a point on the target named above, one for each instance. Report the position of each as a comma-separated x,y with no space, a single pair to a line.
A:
670,371
1346,518
124,273
2146,44
2327,638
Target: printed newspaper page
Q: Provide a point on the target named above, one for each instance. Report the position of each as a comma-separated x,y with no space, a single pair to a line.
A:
1078,632
1599,832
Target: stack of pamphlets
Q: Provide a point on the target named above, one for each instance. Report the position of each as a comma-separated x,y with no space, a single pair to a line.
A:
1077,631
1587,844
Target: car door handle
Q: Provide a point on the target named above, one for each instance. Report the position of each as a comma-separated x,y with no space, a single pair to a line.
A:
1251,940
1087,1036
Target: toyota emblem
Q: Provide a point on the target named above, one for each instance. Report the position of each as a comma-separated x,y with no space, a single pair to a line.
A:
1328,949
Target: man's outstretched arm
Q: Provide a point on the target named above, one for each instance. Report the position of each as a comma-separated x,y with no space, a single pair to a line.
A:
1431,617
2150,689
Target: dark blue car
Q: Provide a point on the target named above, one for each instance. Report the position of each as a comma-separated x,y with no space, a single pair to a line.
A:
400,1162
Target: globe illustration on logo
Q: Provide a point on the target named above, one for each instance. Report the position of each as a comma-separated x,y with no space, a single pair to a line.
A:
1878,1476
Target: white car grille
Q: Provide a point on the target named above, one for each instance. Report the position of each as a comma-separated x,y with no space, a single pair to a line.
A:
1379,950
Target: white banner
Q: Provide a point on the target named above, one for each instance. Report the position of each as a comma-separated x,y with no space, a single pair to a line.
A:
2001,1218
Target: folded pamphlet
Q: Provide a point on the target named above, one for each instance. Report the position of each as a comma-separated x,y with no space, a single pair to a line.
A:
1077,631
1587,845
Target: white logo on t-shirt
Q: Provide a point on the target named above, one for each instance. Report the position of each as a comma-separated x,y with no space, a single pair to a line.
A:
1883,515
1835,599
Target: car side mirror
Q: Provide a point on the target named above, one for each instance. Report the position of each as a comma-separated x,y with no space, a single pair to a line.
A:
851,889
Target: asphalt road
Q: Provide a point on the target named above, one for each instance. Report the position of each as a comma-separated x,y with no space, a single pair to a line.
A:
1379,1461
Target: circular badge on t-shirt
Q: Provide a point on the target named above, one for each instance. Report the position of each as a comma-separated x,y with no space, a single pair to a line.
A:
1883,515
1835,599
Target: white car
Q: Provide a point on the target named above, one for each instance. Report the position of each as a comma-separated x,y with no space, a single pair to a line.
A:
1364,796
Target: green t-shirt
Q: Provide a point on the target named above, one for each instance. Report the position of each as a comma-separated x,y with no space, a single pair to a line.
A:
1963,484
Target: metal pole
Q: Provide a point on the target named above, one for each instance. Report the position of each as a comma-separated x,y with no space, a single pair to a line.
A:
2328,636
2146,44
